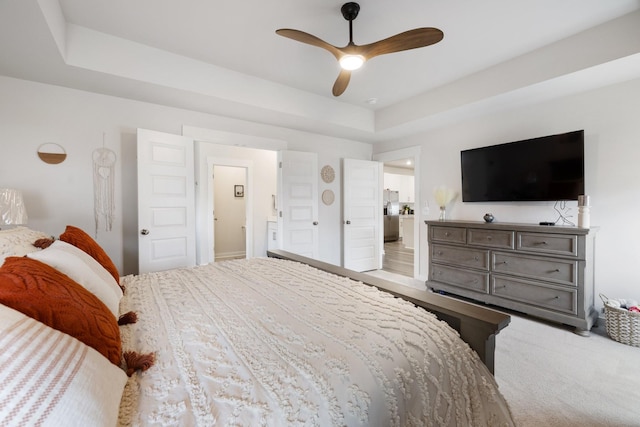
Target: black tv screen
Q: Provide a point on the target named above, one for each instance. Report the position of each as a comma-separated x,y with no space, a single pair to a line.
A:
548,168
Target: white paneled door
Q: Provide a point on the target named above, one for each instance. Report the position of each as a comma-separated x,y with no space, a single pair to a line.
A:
362,214
298,202
166,201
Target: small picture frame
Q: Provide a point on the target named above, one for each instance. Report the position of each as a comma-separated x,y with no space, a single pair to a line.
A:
238,190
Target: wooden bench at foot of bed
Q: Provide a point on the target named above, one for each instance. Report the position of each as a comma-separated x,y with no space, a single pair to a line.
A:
476,325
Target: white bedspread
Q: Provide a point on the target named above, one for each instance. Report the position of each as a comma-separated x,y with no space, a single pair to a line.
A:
267,342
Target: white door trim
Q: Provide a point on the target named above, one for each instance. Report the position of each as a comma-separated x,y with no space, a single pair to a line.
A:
405,153
248,194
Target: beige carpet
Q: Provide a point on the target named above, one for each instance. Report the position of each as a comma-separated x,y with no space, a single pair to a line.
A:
553,377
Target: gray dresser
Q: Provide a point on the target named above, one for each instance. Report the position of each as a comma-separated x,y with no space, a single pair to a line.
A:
544,271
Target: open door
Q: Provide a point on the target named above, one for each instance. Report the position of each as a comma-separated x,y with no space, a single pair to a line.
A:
362,213
166,201
298,203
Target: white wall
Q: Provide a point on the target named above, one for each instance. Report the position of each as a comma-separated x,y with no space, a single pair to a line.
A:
56,195
610,118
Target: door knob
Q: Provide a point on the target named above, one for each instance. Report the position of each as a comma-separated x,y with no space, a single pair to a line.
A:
348,222
315,222
144,231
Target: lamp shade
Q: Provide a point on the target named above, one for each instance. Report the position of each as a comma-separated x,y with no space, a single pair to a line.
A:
12,209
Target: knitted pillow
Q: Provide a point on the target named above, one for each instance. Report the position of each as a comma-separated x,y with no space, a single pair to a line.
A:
18,241
82,269
82,240
43,293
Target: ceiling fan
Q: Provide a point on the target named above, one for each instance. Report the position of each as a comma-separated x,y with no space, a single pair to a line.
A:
352,56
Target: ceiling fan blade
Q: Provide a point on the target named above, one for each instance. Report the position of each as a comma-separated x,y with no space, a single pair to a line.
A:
341,82
307,38
412,39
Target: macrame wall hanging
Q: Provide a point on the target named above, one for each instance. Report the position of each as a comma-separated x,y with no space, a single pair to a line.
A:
104,161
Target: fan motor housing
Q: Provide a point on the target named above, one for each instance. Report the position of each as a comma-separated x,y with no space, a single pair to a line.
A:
350,11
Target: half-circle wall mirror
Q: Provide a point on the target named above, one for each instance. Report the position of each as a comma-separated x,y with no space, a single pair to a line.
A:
52,153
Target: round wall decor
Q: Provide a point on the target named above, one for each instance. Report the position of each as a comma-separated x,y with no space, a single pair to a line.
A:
327,173
52,153
328,197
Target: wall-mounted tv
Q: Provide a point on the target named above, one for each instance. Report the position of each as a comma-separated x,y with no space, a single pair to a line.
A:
548,168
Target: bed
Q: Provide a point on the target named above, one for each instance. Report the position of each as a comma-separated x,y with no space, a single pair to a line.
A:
262,341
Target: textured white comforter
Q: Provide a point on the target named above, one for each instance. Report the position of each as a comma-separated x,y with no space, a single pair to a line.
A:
267,342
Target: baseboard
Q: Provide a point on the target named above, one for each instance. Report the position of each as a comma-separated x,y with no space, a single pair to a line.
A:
230,255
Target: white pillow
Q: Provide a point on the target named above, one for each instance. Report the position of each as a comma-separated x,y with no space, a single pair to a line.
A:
50,378
18,242
83,269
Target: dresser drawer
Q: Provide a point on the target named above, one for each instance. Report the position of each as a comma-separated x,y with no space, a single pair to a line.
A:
557,244
464,257
548,269
499,239
448,234
553,298
472,280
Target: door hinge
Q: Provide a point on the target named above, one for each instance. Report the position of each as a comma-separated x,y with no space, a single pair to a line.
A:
280,165
280,214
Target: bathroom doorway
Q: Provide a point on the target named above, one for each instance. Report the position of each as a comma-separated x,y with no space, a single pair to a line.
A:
229,212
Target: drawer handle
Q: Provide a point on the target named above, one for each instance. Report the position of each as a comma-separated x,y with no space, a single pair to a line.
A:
489,237
439,253
475,258
543,243
556,270
447,234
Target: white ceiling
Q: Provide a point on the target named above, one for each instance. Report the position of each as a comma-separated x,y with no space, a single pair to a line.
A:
223,57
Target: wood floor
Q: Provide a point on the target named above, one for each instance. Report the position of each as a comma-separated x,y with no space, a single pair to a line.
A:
397,258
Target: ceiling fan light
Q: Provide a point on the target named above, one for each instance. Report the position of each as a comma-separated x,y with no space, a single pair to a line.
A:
351,62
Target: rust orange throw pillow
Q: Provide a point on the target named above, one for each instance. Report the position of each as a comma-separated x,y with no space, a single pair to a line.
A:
43,293
82,240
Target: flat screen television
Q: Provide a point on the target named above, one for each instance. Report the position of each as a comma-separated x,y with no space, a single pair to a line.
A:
549,168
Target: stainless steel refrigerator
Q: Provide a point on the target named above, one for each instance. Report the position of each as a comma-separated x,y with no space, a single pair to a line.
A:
391,209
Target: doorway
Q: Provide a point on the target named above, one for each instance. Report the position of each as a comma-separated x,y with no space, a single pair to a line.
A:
242,172
399,183
229,212
402,256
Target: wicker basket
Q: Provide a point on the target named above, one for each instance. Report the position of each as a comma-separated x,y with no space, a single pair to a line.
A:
622,325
